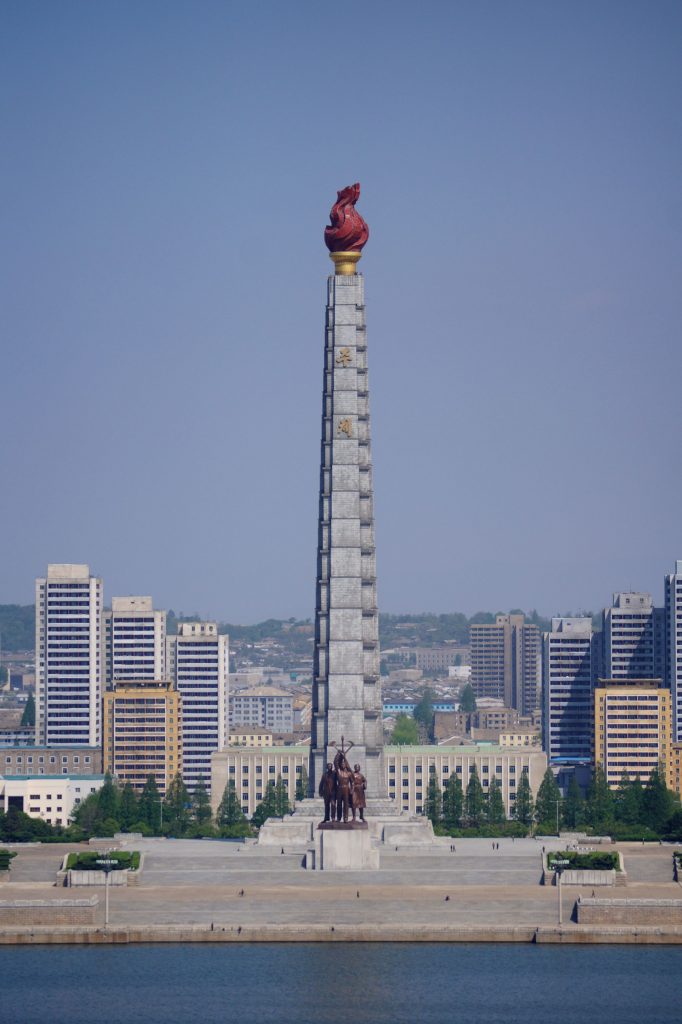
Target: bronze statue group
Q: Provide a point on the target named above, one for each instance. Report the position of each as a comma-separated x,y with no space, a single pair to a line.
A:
343,790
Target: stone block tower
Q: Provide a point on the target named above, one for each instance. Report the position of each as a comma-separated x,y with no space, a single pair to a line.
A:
346,685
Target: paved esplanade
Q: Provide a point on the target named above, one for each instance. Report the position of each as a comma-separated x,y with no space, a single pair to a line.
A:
346,688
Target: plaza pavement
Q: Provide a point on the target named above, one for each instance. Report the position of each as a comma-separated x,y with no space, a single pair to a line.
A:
199,882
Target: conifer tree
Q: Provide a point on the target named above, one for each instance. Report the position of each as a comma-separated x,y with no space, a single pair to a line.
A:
176,807
496,813
282,805
267,808
433,807
29,716
129,811
599,807
229,809
453,802
523,808
467,699
549,795
302,784
149,805
201,804
657,803
475,800
574,805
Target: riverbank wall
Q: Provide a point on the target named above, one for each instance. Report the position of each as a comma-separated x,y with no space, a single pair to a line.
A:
567,934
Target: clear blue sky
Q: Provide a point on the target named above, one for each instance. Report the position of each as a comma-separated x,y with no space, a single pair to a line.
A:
167,172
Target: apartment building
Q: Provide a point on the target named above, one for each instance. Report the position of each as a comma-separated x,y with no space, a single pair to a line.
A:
506,662
197,660
133,640
569,669
68,657
632,728
633,632
142,727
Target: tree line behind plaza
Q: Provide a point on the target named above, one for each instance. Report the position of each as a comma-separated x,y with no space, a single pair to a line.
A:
632,811
115,808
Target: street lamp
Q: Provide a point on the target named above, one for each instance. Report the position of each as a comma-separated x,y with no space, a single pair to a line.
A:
558,802
107,864
558,865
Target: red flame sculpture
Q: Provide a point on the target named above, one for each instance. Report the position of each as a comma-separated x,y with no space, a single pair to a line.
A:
347,231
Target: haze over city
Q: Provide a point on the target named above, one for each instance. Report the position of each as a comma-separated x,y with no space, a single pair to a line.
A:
169,172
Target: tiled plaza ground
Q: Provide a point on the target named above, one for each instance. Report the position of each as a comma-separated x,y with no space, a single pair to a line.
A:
199,882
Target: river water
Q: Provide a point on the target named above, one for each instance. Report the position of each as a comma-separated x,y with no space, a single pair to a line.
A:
330,983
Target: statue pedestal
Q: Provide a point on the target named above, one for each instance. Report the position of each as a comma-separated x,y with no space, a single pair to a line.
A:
344,849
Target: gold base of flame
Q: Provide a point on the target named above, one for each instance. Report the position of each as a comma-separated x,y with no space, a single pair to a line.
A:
344,262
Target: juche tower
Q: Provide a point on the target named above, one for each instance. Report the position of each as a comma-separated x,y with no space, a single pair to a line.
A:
347,704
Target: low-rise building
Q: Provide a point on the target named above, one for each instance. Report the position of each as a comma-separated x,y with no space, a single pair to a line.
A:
431,659
50,797
32,760
19,736
408,770
142,725
520,736
253,736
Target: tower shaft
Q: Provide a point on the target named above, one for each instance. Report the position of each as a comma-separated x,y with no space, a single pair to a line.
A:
346,684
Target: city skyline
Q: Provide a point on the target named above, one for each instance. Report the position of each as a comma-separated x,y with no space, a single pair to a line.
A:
524,338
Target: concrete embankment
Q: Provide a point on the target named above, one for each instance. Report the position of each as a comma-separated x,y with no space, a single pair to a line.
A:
569,934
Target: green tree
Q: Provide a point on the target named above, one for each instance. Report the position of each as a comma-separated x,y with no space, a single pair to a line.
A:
423,712
475,800
574,805
523,808
129,811
467,699
549,796
108,800
29,716
405,731
599,806
176,807
267,808
282,805
433,807
453,802
302,784
496,813
86,814
628,800
229,809
657,802
150,805
201,805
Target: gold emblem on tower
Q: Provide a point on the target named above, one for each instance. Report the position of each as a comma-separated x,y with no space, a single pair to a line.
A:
344,357
346,427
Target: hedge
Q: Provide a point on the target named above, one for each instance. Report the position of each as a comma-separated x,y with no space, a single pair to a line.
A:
88,861
597,861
